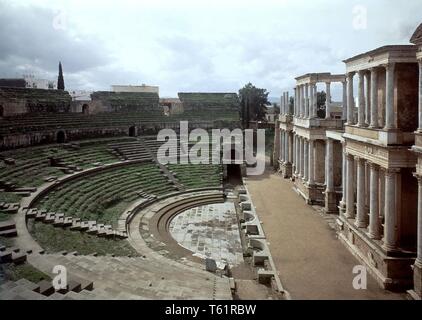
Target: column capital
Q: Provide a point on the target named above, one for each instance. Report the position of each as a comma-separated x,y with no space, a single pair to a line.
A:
419,178
350,156
350,74
391,171
361,73
373,165
389,65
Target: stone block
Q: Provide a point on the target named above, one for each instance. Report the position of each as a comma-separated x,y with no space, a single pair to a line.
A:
18,258
46,288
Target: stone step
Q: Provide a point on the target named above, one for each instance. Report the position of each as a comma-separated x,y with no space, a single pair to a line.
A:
7,225
18,258
9,233
46,288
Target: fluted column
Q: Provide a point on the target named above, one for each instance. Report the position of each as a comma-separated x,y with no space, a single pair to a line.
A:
287,104
311,101
390,210
368,98
361,220
311,163
286,147
350,199
374,220
297,162
374,98
290,147
306,100
343,177
344,115
306,160
295,103
419,235
350,99
420,95
314,106
302,101
390,122
301,156
329,168
361,95
328,101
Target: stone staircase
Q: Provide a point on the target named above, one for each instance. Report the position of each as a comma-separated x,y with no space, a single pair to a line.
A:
24,289
130,151
59,220
164,170
12,255
138,277
8,229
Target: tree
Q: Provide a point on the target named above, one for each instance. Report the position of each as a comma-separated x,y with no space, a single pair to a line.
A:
321,99
253,103
60,80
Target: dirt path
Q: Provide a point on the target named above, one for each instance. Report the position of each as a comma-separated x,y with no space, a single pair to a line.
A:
312,263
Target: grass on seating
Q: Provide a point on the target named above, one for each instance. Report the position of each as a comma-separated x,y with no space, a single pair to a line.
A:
24,271
54,239
197,176
104,196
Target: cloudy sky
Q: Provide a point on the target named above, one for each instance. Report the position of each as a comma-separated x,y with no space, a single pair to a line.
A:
199,45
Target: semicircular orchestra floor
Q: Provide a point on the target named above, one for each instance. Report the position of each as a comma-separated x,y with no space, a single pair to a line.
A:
209,231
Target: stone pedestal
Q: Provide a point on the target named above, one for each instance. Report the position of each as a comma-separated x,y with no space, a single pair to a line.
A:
330,203
287,170
417,279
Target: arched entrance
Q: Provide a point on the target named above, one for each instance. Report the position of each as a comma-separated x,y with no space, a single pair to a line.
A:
1,111
61,137
132,131
85,109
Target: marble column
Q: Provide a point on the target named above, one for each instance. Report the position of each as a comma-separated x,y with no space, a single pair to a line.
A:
350,99
311,101
311,163
344,115
420,95
367,98
329,168
374,220
290,147
350,198
361,95
306,100
418,261
295,103
301,158
361,217
390,210
287,104
297,162
343,177
286,147
302,101
314,106
390,121
328,101
305,160
374,98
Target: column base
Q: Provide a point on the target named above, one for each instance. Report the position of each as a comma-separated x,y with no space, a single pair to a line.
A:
392,272
286,170
417,280
331,203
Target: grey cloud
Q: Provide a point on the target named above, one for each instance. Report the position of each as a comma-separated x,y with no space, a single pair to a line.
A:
28,36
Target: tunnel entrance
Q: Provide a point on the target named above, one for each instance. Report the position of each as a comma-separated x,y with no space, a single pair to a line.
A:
234,175
61,137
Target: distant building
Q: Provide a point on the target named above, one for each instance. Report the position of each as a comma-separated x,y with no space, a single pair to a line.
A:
130,88
28,81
